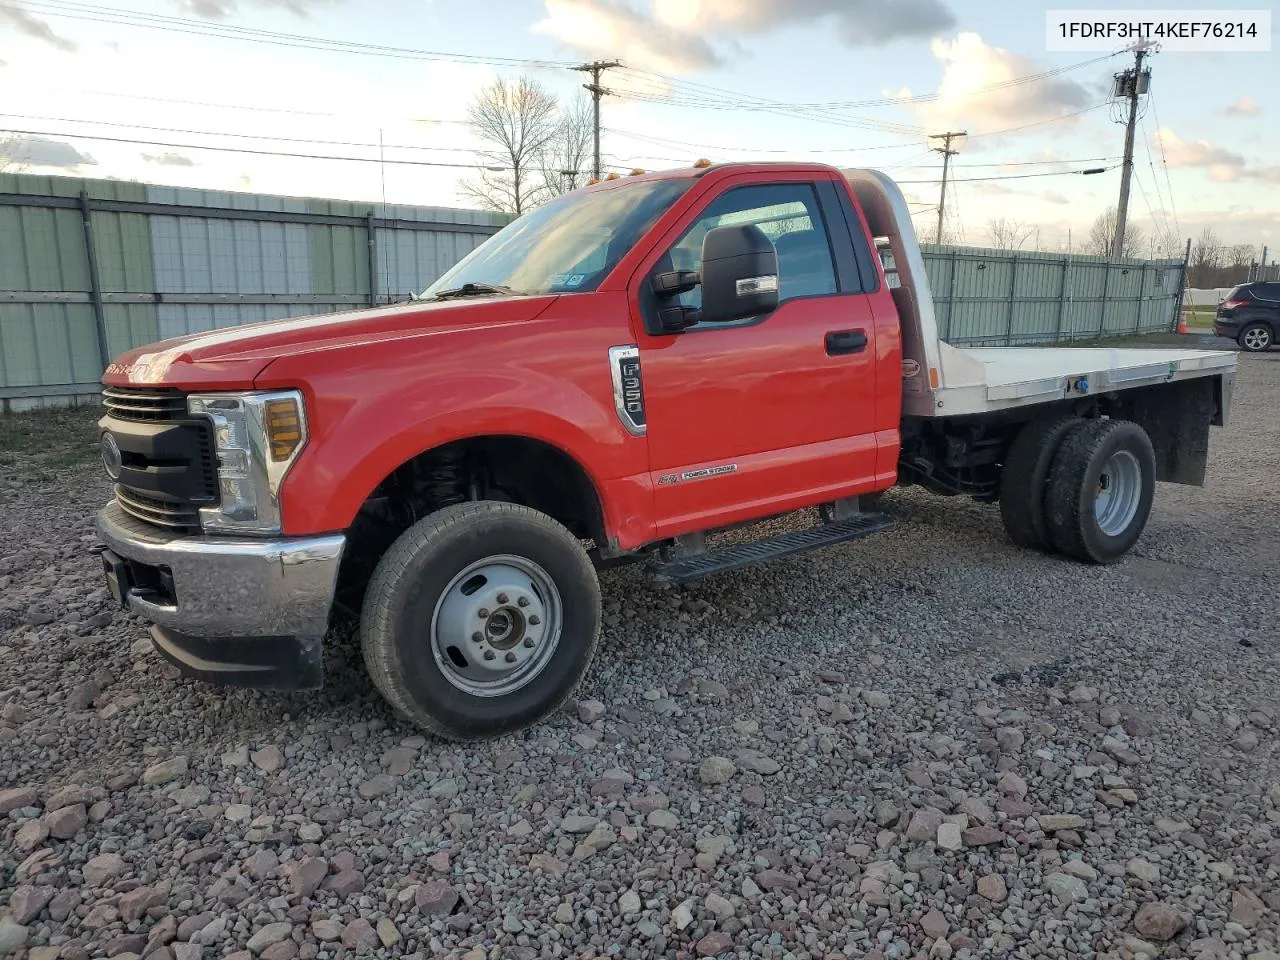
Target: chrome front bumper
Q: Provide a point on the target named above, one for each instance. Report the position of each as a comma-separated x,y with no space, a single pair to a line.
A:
226,587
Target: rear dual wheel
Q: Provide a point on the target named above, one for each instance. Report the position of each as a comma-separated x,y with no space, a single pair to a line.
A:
1083,488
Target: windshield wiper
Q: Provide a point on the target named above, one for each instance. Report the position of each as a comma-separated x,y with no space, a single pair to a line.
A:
473,290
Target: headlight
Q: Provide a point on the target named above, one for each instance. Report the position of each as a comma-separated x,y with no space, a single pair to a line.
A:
257,437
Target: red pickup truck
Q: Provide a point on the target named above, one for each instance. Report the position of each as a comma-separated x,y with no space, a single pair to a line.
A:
610,378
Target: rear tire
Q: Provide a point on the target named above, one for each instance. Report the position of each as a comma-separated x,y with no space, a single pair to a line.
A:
1102,487
1024,479
1256,338
481,619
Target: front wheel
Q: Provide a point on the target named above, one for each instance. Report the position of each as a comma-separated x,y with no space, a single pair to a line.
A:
1101,489
1255,338
481,619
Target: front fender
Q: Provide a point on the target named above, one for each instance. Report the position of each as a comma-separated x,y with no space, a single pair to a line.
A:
366,420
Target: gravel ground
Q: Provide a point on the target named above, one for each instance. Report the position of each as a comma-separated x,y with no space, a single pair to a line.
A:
928,744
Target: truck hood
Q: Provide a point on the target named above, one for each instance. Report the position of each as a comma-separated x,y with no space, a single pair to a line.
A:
233,357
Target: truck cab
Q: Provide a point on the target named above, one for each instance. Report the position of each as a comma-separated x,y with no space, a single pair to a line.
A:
608,379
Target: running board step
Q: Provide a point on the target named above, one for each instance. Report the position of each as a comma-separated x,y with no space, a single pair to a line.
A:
739,555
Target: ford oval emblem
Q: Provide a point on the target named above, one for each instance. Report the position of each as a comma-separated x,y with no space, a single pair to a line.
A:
111,458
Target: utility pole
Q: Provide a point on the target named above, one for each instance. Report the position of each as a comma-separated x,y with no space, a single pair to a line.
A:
1130,85
947,154
595,69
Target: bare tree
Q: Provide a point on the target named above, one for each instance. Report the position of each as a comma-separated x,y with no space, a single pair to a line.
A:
1163,244
1008,234
1239,255
926,225
9,162
516,120
567,158
1102,234
1206,258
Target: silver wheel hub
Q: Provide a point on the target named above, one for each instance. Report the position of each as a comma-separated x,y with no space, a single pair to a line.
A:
1119,493
496,626
1257,339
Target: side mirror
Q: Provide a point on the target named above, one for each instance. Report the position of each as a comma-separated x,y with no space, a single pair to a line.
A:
739,274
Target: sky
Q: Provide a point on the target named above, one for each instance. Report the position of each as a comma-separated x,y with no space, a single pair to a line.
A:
849,82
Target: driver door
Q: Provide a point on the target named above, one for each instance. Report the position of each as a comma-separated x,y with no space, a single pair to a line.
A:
774,412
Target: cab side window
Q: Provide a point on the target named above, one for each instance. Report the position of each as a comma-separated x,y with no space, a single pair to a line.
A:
790,216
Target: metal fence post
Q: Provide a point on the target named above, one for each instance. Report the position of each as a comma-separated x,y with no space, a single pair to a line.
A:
1182,288
1062,298
1013,289
1142,297
1102,313
95,283
951,293
373,259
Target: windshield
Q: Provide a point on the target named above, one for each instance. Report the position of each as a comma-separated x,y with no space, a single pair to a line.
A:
567,245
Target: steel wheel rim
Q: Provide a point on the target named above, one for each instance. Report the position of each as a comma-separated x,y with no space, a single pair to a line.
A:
496,626
1257,339
1119,493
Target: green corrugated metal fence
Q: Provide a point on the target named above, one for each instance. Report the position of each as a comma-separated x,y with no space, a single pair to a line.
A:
168,261
1000,297
90,269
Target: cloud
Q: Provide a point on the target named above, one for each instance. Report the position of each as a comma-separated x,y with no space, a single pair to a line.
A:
41,152
28,25
1222,164
169,159
614,28
1053,196
1244,107
1265,174
966,101
859,22
223,9
676,36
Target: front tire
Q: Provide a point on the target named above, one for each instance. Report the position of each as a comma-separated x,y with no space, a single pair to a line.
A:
1102,487
1256,338
481,619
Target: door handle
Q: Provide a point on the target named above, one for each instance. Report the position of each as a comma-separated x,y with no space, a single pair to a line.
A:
846,341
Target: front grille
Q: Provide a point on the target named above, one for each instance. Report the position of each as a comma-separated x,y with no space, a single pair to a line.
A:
145,404
169,464
174,516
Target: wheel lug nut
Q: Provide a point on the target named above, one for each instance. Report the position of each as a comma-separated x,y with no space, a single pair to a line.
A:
489,655
529,643
478,637
502,598
523,601
535,619
484,613
511,658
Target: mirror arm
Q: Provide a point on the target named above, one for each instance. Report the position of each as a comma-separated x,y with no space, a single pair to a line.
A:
672,283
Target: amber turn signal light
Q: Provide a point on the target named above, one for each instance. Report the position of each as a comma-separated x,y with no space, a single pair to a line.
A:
284,428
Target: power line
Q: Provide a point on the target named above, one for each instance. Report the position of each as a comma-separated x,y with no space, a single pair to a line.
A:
136,18
1173,206
230,106
1029,163
1018,176
264,153
243,136
789,151
664,80
1164,224
1039,123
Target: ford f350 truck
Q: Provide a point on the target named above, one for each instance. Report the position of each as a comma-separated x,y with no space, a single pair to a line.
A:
611,377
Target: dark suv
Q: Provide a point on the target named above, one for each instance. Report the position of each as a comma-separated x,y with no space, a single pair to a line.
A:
1250,315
